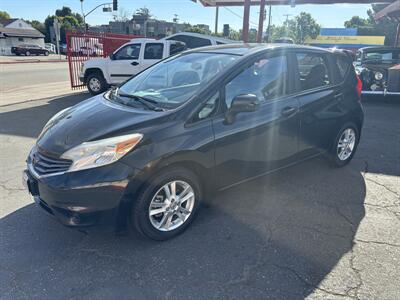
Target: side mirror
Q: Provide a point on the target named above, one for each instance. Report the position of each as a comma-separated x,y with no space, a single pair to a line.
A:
241,103
112,57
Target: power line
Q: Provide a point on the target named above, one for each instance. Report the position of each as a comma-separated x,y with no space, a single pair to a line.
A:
239,16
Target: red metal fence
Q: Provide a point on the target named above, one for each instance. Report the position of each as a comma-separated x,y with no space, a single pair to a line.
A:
84,46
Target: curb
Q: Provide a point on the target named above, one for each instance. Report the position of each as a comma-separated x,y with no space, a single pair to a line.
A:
30,61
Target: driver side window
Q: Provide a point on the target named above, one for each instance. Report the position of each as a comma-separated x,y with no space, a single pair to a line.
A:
128,52
266,78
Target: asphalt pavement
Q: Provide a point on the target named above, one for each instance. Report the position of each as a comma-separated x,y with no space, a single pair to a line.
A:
310,231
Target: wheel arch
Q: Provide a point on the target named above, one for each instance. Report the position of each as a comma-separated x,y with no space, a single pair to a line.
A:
139,182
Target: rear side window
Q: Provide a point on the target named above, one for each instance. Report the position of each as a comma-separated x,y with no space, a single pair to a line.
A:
313,71
176,48
153,51
343,64
191,41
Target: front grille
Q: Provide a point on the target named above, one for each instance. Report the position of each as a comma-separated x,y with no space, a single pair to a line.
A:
44,165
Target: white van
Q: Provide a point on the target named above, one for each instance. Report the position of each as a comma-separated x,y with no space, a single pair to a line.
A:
195,40
128,60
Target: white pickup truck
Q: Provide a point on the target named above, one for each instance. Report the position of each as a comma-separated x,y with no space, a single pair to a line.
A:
128,60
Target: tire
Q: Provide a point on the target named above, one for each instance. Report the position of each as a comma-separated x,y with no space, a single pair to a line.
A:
96,84
46,53
340,157
146,225
27,53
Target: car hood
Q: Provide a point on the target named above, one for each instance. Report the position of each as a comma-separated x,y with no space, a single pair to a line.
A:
93,119
95,61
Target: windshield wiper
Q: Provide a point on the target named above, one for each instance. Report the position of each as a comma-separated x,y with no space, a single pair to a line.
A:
149,103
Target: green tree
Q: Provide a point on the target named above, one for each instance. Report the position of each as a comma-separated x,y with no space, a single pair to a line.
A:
67,20
37,25
303,26
368,26
4,15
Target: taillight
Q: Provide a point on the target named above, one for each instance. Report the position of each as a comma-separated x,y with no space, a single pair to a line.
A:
359,87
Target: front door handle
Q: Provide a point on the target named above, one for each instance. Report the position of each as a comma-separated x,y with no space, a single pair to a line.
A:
289,111
134,63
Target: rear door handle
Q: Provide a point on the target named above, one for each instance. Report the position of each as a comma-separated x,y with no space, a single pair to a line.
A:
134,63
289,111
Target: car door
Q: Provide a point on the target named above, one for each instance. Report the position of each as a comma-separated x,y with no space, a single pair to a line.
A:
125,62
153,52
263,140
320,101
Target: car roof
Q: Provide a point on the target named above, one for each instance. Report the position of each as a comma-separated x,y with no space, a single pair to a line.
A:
374,48
204,36
247,49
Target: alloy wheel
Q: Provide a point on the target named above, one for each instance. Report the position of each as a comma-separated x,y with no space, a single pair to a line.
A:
171,205
94,84
346,144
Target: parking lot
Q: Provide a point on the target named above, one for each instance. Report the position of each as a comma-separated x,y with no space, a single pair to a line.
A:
310,231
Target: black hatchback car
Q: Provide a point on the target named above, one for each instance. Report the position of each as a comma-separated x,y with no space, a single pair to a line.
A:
146,153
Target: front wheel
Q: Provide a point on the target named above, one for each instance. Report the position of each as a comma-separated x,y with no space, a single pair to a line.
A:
46,53
345,145
96,83
27,53
167,205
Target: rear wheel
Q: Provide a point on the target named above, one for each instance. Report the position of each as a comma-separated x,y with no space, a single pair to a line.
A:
345,145
27,53
167,205
46,53
96,83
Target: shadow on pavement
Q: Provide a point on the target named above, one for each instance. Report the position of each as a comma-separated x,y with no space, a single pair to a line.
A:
277,237
29,121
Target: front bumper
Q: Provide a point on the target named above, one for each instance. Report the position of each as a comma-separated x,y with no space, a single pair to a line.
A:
84,198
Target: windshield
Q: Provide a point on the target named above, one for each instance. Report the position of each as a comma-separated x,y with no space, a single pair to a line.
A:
383,56
170,83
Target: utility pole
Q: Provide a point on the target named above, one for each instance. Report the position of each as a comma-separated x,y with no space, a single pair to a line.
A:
269,24
287,18
216,19
261,21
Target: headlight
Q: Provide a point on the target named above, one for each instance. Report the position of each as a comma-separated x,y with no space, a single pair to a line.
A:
99,153
378,75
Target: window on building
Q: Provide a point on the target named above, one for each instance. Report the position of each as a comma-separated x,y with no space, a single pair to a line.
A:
153,51
20,39
313,70
266,78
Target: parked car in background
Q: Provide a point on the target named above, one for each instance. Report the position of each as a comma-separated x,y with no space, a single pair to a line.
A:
145,153
90,51
379,70
27,49
50,47
128,60
284,40
195,40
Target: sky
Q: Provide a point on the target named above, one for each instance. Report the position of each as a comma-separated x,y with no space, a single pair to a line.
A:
187,11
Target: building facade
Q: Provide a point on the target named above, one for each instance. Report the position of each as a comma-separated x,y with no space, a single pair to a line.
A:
14,32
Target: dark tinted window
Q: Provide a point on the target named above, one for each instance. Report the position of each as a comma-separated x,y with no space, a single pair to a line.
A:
266,78
153,51
176,48
313,70
343,63
191,41
128,52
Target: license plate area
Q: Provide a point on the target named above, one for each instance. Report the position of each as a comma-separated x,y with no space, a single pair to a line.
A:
30,184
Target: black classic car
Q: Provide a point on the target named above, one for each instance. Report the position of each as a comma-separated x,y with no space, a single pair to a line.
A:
379,70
